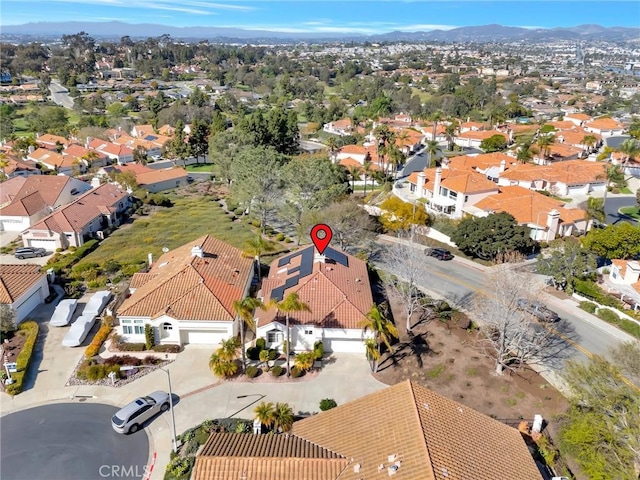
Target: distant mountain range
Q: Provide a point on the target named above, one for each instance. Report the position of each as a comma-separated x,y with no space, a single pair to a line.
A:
484,33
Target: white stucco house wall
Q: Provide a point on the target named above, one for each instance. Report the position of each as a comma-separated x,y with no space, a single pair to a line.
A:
187,295
336,288
23,287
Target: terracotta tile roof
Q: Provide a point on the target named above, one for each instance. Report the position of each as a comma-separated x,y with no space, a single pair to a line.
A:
75,216
574,136
134,168
50,140
578,116
481,134
162,175
49,186
139,279
337,292
167,130
460,181
25,206
570,172
344,123
51,158
561,150
604,124
432,437
188,287
354,149
350,162
15,280
482,161
528,206
143,130
476,125
561,125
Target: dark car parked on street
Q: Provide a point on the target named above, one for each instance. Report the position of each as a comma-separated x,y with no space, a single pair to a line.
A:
439,253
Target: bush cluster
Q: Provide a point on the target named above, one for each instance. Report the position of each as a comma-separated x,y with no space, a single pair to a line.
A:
149,337
61,262
131,347
252,371
276,371
168,348
588,306
96,344
318,350
327,404
30,329
296,372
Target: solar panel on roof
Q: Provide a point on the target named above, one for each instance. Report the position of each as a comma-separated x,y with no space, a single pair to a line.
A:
336,256
150,137
277,293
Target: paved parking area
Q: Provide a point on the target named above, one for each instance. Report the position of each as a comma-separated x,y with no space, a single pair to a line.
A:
10,259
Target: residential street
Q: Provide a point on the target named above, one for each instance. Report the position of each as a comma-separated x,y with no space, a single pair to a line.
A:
60,95
458,280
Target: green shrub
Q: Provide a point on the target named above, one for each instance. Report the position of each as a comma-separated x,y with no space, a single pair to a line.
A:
131,347
95,372
98,282
30,329
261,343
588,306
276,371
273,354
201,436
131,268
608,315
296,372
238,211
630,327
253,353
122,360
280,237
149,337
150,360
318,350
327,404
252,371
167,348
287,240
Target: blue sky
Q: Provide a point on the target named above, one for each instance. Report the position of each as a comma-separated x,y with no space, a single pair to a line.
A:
328,16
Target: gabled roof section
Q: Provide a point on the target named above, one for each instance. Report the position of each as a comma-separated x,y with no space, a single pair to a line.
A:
431,436
189,287
48,186
28,205
15,280
335,287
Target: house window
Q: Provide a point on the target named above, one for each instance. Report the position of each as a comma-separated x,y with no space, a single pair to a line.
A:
453,194
308,330
138,327
167,327
127,330
274,337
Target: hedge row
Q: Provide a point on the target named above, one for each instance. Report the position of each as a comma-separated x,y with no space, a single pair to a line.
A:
61,262
96,344
31,329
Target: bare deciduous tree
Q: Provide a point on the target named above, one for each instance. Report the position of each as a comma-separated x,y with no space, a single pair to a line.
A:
405,261
513,335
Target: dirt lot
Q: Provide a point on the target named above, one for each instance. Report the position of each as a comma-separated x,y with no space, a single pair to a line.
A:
454,363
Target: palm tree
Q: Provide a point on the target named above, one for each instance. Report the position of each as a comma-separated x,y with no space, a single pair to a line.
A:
304,361
435,118
354,172
373,353
525,151
290,304
431,148
263,356
255,247
589,141
228,350
383,330
332,145
544,142
450,131
220,366
244,311
367,172
630,148
383,137
282,417
264,412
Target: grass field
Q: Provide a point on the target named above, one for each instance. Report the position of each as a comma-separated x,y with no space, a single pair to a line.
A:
200,168
188,219
633,212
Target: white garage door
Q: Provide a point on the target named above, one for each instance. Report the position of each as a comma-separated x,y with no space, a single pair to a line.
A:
25,308
48,245
349,346
203,337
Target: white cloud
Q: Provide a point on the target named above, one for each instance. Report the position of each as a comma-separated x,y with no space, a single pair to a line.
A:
422,27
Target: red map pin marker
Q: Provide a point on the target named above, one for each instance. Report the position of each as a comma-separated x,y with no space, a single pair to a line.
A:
321,236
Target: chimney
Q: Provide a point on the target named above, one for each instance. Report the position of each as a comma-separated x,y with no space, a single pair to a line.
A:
197,251
319,258
436,183
632,272
89,140
553,221
503,165
150,258
420,185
